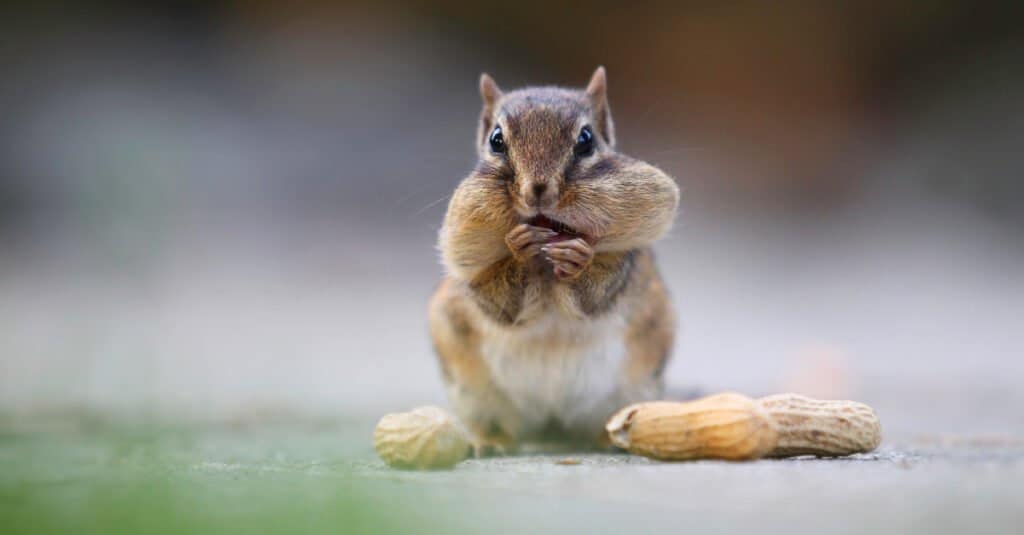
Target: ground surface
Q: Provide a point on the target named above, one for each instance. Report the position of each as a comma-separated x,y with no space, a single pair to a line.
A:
87,476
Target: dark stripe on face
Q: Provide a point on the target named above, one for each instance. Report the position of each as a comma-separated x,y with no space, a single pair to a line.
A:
598,169
489,170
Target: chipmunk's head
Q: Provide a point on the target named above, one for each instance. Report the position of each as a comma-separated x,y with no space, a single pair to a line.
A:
544,143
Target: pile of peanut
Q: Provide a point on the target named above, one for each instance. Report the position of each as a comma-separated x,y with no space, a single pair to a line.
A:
733,426
724,426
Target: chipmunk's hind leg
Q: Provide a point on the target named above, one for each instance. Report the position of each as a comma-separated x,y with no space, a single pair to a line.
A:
490,417
650,333
491,442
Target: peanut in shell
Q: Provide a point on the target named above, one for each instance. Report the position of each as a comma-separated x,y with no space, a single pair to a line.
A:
826,428
724,426
425,438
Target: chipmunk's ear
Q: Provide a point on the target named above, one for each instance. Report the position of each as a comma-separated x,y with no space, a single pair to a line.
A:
597,89
597,92
489,91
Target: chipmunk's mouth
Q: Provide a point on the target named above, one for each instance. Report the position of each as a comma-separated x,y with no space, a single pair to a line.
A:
565,232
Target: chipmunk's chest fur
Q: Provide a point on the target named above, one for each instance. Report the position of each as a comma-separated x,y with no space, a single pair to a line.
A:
558,369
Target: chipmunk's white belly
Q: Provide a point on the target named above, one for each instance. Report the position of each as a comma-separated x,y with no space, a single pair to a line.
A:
559,370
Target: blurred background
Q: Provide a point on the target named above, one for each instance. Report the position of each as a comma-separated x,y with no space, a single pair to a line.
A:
224,210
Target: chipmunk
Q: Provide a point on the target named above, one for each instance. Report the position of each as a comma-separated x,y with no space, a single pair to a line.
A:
552,314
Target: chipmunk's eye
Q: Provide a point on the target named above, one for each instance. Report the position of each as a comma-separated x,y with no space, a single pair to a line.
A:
584,142
497,141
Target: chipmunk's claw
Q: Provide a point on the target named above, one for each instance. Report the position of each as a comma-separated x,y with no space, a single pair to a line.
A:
569,258
524,241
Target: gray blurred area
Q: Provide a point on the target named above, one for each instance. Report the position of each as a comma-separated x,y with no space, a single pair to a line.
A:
229,209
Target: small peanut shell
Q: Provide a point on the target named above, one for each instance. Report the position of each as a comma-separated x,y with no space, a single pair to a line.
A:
425,438
724,426
819,427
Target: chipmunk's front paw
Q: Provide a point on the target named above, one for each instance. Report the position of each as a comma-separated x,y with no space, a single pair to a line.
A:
569,257
525,240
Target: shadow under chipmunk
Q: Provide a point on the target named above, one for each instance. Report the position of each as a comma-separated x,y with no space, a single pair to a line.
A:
554,439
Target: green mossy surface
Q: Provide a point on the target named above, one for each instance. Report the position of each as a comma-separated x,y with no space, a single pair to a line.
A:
83,474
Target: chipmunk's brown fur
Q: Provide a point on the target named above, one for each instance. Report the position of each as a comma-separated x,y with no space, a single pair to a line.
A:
552,314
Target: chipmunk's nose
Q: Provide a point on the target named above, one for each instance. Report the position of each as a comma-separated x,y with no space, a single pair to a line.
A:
539,194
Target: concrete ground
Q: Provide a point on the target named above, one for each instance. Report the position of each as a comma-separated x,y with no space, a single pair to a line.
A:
324,477
944,489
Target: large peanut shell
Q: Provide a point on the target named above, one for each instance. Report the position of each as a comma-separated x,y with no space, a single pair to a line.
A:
819,427
724,426
425,438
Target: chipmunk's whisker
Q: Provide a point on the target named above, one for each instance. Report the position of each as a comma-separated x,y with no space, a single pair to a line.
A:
401,200
433,203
